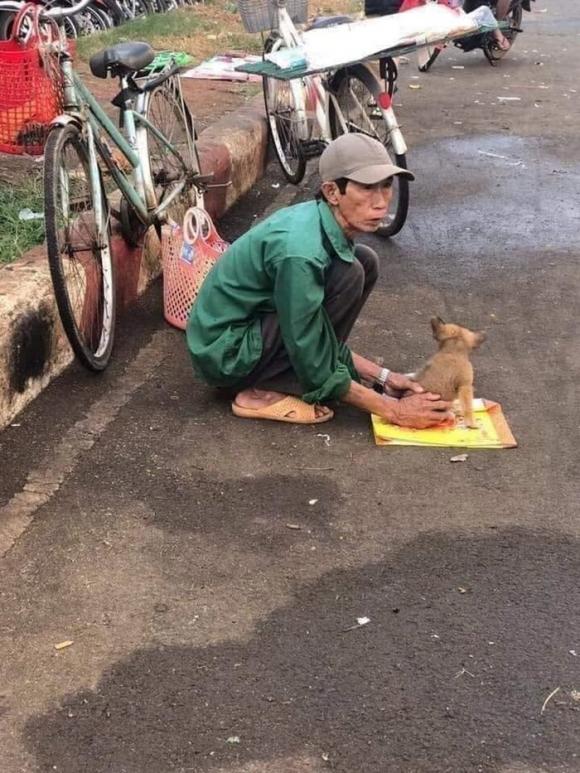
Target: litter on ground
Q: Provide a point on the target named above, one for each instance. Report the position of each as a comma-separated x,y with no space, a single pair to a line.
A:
360,622
548,699
63,644
223,68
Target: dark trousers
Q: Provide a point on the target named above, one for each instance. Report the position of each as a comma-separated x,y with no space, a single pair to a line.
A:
347,287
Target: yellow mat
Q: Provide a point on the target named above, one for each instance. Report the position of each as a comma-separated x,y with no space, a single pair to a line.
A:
492,431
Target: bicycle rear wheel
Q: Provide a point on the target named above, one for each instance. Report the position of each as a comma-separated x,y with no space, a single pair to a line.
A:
165,109
281,111
114,11
134,9
79,248
357,95
92,20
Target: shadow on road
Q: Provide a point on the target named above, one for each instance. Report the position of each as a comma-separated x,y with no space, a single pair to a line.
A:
449,675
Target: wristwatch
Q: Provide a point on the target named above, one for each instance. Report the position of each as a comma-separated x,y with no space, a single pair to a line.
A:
380,381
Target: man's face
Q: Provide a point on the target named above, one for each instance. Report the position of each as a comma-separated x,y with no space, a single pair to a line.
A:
361,207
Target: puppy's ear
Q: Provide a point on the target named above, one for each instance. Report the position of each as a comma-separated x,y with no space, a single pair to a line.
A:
436,325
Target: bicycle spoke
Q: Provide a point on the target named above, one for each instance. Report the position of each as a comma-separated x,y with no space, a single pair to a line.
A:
364,113
79,248
287,135
175,163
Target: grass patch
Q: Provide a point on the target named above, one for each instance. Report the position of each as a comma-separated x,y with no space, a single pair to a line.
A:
202,31
17,236
206,29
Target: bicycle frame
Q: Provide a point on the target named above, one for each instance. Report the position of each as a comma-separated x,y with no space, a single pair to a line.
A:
138,187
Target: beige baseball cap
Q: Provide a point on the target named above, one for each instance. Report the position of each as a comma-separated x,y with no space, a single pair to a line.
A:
360,158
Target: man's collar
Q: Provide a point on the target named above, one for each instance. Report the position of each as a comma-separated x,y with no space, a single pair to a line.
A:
336,236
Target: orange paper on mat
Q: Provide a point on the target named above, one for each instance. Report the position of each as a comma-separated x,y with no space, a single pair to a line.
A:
492,431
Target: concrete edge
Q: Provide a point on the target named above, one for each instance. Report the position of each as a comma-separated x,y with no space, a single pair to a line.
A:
33,347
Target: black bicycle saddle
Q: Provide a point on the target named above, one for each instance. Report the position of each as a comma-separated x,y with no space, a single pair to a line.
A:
121,59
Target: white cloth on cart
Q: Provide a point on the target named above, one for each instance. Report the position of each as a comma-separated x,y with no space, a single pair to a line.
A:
331,47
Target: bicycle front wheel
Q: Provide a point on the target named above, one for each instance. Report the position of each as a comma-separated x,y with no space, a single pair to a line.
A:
357,93
79,247
173,163
282,114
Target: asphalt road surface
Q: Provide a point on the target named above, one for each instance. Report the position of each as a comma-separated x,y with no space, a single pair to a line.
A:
208,635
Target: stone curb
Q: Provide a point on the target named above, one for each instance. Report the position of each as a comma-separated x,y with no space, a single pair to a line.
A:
33,347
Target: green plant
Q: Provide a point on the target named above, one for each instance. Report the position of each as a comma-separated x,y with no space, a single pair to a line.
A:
16,235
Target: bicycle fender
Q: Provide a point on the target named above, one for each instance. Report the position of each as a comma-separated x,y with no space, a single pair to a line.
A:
67,118
399,144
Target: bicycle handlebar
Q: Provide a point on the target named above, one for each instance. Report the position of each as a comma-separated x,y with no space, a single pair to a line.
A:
52,13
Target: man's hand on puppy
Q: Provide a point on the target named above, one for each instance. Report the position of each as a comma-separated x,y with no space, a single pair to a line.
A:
399,385
420,410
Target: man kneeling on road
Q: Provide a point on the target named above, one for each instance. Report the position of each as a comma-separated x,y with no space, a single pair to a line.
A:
272,318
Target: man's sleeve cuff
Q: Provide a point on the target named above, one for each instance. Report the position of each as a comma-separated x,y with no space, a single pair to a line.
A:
345,356
335,387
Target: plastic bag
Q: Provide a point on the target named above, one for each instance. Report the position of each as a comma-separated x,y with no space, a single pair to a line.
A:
189,253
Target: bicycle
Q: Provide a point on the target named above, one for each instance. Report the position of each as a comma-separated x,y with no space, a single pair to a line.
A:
308,111
154,164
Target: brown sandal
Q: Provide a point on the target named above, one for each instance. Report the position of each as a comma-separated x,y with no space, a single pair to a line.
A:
302,413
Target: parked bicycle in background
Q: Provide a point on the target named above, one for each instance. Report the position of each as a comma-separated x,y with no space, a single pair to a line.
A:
305,113
95,16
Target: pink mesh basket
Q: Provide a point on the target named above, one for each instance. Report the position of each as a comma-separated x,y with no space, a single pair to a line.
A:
189,252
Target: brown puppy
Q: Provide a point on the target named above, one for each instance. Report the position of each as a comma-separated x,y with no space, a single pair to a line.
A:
449,372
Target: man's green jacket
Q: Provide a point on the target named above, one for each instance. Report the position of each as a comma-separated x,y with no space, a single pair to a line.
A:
277,266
